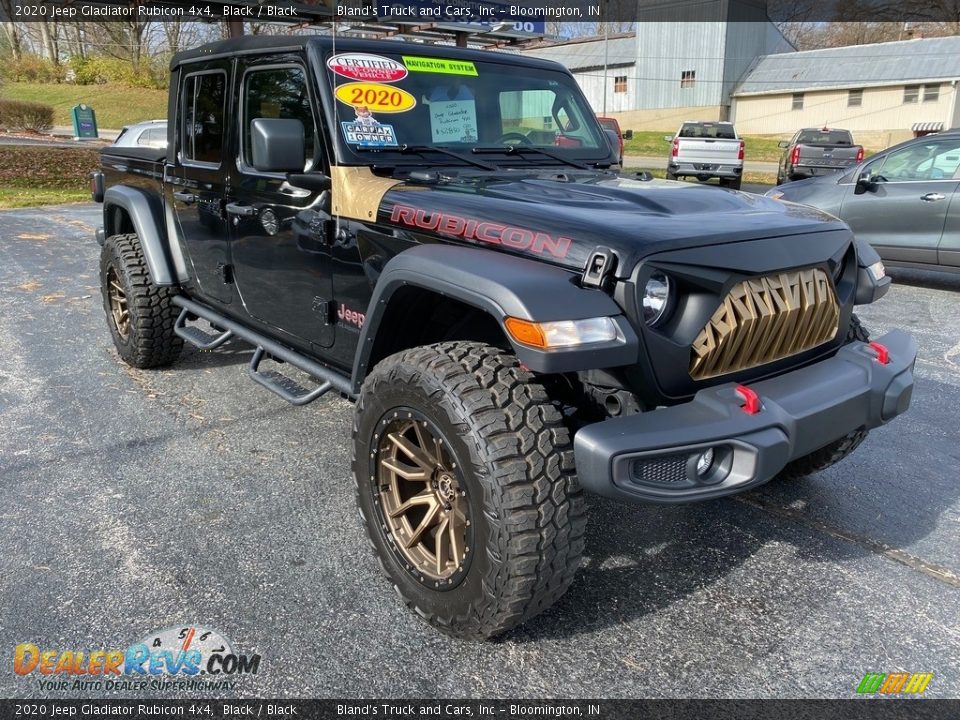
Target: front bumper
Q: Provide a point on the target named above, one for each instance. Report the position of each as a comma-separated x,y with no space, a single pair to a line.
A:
653,456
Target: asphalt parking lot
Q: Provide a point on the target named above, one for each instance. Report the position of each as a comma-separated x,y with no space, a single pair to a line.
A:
132,501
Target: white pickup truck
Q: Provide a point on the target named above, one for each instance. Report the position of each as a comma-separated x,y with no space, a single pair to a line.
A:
706,150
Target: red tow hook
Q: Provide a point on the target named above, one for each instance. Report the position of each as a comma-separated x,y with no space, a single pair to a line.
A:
883,355
751,401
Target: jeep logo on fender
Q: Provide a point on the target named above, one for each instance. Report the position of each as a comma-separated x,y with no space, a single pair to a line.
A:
482,231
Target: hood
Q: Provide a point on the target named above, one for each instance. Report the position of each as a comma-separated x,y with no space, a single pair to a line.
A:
563,219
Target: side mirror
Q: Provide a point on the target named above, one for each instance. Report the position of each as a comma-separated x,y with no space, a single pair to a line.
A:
277,144
628,134
865,183
668,138
316,181
783,144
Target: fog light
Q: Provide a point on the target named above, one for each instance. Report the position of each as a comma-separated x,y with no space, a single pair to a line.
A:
705,462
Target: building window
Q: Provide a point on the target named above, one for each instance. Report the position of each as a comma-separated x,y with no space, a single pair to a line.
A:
910,94
688,78
855,98
931,93
797,101
620,84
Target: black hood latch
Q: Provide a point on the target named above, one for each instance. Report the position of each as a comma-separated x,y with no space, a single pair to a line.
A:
601,264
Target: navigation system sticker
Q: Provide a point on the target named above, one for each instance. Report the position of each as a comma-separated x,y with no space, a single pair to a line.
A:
362,66
439,65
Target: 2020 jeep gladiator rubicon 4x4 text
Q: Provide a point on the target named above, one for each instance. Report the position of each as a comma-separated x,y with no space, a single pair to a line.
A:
435,233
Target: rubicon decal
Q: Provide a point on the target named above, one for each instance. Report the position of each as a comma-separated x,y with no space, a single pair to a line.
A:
361,66
515,238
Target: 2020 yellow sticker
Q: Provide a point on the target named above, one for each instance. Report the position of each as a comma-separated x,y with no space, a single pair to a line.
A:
376,97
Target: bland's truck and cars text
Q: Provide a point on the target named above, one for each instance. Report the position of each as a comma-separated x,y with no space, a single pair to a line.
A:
516,322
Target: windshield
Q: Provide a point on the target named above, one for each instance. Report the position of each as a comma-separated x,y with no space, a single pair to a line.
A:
825,137
391,100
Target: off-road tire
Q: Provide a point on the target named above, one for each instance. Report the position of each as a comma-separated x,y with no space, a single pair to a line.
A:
150,341
839,449
515,457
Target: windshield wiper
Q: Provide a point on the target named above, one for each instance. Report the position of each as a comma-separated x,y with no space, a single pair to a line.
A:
421,149
520,149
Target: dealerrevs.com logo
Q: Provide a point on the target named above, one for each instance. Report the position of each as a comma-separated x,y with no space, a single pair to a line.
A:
182,658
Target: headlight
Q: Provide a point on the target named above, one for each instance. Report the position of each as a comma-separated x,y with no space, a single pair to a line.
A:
562,333
774,194
877,271
656,298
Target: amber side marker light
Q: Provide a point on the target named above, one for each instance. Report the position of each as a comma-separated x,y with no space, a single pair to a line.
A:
562,333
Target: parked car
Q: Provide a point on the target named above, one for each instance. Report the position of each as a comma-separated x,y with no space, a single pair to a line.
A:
706,150
817,151
516,323
904,201
608,123
149,133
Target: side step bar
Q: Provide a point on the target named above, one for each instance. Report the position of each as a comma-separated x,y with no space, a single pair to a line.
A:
196,336
276,383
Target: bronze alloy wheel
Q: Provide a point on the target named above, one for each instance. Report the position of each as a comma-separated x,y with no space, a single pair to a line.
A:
422,501
118,303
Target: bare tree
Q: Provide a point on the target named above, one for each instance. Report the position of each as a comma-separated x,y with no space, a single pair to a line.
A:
12,30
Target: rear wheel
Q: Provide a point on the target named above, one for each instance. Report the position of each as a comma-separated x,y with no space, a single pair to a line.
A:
670,176
839,449
140,315
732,183
465,482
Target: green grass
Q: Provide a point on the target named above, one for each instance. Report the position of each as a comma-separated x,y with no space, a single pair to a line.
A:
18,197
757,148
116,105
651,143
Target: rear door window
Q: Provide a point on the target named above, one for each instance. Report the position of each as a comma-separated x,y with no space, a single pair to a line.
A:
203,129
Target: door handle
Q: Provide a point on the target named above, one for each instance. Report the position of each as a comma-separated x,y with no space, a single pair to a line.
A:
932,197
185,197
241,209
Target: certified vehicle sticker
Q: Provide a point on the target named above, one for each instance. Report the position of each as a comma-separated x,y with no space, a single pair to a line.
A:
439,65
361,66
376,97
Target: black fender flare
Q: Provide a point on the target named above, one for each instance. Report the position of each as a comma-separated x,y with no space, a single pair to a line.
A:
503,286
146,215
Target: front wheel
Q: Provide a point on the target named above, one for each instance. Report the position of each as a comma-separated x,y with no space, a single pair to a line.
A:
839,449
465,482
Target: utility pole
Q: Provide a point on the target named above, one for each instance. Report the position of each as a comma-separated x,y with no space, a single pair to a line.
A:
606,55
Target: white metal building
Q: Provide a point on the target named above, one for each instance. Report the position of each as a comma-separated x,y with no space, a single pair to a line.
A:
672,68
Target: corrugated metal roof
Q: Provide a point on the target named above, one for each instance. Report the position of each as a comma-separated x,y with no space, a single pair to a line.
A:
892,63
585,54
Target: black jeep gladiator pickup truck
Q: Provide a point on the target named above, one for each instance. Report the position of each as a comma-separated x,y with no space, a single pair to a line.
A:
436,234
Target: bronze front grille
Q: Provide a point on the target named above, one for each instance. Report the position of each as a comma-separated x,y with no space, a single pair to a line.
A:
766,319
